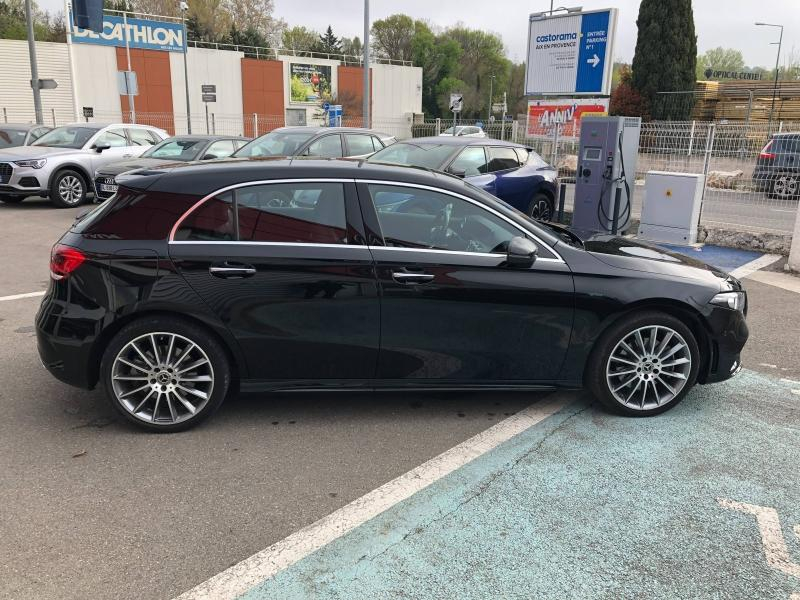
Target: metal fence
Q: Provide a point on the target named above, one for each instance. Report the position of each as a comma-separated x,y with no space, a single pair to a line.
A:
748,187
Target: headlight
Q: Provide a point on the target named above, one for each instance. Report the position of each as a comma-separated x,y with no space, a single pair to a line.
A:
37,163
732,300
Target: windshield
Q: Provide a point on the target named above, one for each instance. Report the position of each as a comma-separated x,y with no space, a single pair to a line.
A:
431,156
275,143
176,150
66,137
11,137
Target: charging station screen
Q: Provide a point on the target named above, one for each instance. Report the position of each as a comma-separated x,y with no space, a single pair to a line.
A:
592,153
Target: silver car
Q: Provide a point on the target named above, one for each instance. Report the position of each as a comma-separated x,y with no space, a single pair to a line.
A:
325,142
20,134
60,164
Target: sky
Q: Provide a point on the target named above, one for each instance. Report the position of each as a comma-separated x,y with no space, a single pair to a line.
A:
727,23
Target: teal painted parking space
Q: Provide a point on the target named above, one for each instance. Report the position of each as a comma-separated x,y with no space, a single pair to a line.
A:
726,259
592,505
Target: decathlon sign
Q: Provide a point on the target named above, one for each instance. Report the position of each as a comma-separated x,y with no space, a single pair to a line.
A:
570,54
140,33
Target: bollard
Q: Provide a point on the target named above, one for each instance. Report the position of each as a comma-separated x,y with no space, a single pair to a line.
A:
615,220
562,195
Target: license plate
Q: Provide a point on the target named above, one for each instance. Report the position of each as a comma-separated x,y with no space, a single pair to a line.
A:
105,187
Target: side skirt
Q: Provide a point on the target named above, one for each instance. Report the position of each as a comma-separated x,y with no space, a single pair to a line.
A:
371,385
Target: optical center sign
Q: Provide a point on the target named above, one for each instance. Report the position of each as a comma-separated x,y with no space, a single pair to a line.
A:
570,54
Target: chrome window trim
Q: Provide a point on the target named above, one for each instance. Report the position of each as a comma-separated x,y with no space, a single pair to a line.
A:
470,200
500,255
249,243
196,205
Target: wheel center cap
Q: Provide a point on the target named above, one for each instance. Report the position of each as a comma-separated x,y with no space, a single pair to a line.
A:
163,377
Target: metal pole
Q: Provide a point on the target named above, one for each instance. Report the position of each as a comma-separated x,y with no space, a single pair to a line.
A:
53,113
691,137
562,196
5,115
503,122
775,85
491,93
126,33
208,130
37,96
213,125
255,125
365,100
186,73
615,213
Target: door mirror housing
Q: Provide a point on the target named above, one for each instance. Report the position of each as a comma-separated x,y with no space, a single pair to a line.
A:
209,157
457,172
100,147
521,253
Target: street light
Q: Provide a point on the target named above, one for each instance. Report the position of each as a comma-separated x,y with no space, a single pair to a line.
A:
775,85
184,8
491,95
365,93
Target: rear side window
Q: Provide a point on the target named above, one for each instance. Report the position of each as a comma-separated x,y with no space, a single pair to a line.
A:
329,146
136,215
501,159
359,144
141,137
214,221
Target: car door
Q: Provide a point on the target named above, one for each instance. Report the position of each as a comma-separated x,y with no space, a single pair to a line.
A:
284,266
473,162
451,309
117,143
512,184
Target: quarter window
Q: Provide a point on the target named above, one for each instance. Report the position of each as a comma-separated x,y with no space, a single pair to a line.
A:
472,160
214,221
501,159
418,218
329,146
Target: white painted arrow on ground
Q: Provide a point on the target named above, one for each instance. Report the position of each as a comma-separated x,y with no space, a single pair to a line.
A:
594,61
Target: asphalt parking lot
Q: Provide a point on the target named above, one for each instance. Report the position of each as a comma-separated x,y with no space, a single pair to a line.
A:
579,504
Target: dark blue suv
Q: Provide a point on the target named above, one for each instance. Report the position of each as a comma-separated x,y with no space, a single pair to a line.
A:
777,170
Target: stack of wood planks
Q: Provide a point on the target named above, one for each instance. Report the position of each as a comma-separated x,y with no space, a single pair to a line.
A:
715,101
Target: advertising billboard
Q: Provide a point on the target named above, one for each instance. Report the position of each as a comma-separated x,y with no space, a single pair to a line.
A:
570,54
545,115
309,83
141,33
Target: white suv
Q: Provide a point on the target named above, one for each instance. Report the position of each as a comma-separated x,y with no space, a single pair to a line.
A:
60,164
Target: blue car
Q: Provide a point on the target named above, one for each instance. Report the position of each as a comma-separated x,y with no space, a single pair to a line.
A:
512,172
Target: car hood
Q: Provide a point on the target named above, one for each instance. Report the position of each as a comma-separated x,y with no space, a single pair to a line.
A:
636,255
23,152
124,166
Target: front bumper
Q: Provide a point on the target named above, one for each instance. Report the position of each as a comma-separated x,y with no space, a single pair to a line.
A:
100,181
23,181
728,335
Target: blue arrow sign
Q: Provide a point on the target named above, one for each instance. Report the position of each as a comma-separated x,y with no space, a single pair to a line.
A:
592,52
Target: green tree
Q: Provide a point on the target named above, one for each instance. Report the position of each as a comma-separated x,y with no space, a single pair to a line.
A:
438,57
719,59
299,39
444,88
625,101
328,43
392,37
352,47
47,27
666,56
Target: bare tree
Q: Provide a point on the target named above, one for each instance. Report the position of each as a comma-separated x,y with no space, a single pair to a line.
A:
257,15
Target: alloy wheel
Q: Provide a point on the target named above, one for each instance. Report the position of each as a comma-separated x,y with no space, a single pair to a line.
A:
541,210
70,189
785,186
648,367
162,378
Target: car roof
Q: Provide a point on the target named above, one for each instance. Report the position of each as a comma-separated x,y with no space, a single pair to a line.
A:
460,141
321,130
206,137
98,126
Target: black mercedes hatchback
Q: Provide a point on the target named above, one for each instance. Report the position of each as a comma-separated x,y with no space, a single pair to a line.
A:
299,274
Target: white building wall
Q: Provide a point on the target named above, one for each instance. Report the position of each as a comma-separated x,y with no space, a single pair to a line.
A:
217,67
16,95
96,81
396,95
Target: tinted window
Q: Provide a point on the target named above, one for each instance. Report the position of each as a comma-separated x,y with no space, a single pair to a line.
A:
472,160
416,218
213,221
66,137
141,137
328,146
113,138
220,149
175,149
297,212
276,143
501,159
431,156
359,144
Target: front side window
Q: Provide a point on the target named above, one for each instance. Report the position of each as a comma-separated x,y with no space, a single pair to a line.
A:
430,156
219,149
175,149
359,144
213,221
275,143
417,218
328,146
472,160
501,159
141,137
113,138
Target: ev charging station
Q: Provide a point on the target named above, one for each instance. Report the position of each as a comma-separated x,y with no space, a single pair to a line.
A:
606,174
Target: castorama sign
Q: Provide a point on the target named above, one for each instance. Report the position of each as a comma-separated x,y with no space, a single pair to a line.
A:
150,35
570,54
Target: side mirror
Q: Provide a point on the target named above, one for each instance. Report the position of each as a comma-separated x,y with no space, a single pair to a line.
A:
457,172
209,157
100,147
521,253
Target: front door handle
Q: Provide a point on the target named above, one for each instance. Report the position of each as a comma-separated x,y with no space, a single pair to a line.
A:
411,278
230,271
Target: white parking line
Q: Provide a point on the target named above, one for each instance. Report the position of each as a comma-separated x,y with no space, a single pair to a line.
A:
754,265
245,575
21,296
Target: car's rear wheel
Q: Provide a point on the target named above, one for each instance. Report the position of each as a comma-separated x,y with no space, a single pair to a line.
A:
165,374
68,189
541,208
12,199
786,186
644,364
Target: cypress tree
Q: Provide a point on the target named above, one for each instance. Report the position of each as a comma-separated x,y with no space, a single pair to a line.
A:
665,58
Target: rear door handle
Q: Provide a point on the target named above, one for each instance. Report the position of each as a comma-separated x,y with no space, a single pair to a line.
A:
411,278
227,272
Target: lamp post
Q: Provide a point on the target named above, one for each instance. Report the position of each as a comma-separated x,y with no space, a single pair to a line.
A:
365,99
777,62
185,7
491,95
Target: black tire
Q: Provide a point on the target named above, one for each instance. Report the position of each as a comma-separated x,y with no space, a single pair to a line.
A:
163,326
72,180
12,199
595,376
785,186
541,208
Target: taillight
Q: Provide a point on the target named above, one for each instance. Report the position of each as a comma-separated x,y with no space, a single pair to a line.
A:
64,260
765,153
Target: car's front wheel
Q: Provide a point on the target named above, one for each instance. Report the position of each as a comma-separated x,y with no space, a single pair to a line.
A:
541,208
68,189
644,364
165,374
